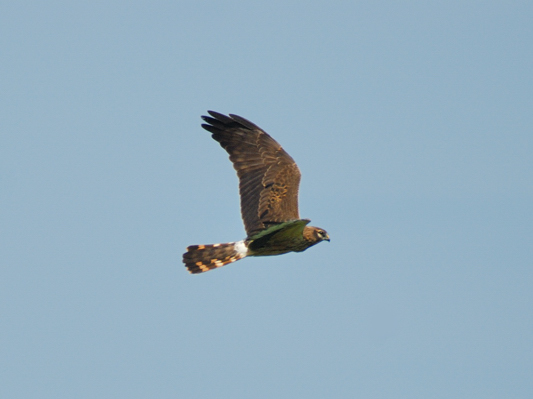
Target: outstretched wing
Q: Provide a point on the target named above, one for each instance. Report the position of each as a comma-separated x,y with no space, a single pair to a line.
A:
268,176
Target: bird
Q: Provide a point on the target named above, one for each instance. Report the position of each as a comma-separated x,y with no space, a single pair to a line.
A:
268,186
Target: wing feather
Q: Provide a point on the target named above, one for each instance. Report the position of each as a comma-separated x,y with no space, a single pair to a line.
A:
268,177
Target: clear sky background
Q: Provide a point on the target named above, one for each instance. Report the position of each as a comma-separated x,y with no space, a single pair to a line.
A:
412,124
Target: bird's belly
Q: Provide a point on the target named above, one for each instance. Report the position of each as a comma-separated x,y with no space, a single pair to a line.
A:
277,247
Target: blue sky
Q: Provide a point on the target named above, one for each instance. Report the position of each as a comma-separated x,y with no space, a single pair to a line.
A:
412,125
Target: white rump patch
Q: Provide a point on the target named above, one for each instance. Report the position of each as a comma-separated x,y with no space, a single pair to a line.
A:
241,248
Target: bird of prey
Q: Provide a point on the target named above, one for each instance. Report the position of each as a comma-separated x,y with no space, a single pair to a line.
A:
268,186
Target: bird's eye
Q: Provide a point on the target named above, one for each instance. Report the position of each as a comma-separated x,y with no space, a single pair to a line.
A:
320,233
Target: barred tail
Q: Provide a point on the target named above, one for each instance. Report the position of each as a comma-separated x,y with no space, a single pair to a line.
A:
201,258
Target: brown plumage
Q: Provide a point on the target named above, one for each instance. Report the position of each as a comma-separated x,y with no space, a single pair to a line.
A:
268,184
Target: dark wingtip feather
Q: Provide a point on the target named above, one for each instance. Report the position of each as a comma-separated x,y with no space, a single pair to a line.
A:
219,120
244,122
210,128
220,117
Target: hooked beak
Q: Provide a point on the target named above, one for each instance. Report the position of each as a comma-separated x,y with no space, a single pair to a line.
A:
326,238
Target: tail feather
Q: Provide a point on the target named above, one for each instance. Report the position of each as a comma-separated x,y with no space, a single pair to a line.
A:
201,258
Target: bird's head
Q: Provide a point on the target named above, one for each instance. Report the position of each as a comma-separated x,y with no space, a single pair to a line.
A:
322,234
315,234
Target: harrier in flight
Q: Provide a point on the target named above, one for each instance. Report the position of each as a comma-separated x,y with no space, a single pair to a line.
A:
268,185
